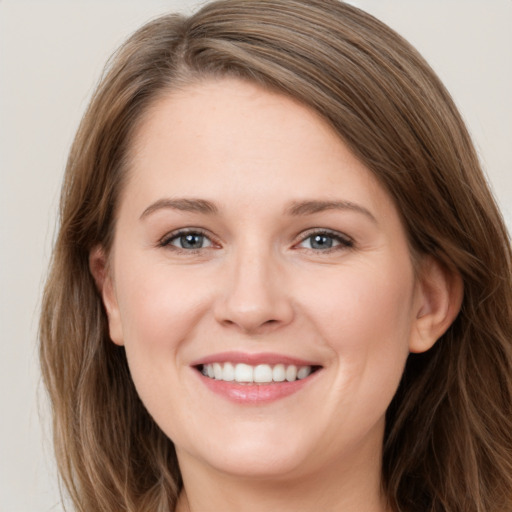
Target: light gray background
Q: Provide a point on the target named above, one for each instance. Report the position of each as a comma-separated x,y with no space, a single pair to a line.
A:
51,55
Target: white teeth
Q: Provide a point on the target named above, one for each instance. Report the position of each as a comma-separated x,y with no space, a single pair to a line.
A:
303,372
217,371
291,373
244,373
278,373
260,374
263,373
228,373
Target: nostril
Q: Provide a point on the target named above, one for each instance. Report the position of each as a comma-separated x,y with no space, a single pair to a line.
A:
253,300
250,322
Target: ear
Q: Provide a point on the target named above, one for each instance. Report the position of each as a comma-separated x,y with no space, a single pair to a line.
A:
102,275
438,301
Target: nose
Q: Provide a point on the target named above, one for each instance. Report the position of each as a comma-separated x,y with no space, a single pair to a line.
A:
255,297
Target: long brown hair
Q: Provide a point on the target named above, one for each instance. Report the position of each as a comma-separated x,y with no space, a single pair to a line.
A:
448,439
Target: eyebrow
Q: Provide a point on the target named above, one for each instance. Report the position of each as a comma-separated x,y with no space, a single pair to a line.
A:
296,208
184,205
299,208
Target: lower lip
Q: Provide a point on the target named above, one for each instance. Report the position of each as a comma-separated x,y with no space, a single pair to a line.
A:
255,393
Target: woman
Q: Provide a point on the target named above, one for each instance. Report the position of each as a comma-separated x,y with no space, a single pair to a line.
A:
280,278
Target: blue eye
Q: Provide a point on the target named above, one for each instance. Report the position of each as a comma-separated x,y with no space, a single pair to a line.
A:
190,240
324,241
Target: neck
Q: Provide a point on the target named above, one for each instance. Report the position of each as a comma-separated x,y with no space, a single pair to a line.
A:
345,486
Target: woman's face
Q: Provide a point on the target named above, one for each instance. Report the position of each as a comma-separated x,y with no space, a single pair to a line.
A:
253,247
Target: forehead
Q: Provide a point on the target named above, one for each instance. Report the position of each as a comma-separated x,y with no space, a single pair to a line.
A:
232,139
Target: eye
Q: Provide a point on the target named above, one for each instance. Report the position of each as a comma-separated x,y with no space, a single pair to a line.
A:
187,240
324,241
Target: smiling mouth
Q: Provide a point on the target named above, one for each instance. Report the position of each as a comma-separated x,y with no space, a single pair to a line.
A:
242,373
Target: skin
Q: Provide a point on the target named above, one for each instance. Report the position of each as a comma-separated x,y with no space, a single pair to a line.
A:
258,285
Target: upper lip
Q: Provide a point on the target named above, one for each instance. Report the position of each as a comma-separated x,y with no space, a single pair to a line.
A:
269,358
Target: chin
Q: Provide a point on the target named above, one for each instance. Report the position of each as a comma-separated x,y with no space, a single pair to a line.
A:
257,456
262,465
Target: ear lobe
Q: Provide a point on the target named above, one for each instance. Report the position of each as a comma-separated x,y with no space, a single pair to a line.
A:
439,299
98,266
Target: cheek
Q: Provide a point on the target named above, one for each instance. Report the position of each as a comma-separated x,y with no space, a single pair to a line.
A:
161,311
160,307
370,303
364,315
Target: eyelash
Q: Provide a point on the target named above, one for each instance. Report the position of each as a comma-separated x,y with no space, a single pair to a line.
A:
343,241
167,240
